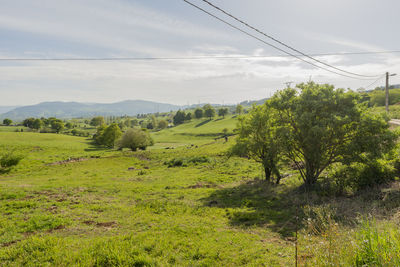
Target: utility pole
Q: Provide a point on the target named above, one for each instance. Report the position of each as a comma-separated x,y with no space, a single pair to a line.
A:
387,90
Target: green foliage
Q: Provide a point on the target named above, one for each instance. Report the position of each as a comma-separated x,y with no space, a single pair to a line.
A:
198,113
9,159
150,126
57,125
162,124
357,176
258,139
222,112
239,109
69,125
135,138
7,122
378,97
37,124
76,132
107,135
209,111
179,117
188,116
28,122
184,161
320,126
97,121
111,134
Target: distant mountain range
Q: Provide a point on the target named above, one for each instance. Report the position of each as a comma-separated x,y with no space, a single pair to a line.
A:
66,110
75,110
4,109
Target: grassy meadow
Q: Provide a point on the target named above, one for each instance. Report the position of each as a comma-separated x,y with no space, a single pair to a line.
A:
70,203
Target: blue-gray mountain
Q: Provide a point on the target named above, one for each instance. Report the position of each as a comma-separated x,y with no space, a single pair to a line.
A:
76,110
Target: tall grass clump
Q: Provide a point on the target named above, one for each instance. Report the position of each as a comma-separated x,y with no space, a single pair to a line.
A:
376,247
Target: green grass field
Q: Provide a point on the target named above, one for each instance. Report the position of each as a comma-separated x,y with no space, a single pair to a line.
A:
70,203
13,128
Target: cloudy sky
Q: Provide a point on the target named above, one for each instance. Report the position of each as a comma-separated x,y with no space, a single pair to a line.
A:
172,28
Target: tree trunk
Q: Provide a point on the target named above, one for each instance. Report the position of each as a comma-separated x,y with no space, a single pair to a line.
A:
278,177
267,173
311,179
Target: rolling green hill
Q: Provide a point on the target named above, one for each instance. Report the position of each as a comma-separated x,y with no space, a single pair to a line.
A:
75,110
195,131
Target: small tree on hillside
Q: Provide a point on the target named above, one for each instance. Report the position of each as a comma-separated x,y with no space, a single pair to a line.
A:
258,140
135,139
37,124
239,109
69,125
188,116
222,112
209,111
162,124
107,136
28,122
57,125
198,113
179,117
97,121
7,122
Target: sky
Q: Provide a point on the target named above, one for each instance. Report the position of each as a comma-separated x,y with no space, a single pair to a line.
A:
172,28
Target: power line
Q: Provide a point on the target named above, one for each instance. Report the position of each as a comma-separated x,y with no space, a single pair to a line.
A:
261,40
282,43
194,57
380,78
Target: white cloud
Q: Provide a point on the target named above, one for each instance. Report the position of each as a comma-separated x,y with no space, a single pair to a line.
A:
130,28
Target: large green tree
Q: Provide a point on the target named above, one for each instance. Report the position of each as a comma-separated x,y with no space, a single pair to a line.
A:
320,126
97,121
179,117
222,112
37,124
257,139
57,125
28,122
7,122
209,111
110,135
198,113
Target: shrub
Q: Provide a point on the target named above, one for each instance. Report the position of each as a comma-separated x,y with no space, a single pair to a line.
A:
9,160
183,162
134,139
359,176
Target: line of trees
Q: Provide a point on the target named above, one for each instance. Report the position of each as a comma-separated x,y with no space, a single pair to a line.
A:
54,124
314,128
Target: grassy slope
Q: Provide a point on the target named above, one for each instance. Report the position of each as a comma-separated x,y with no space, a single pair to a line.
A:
97,212
12,128
195,132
